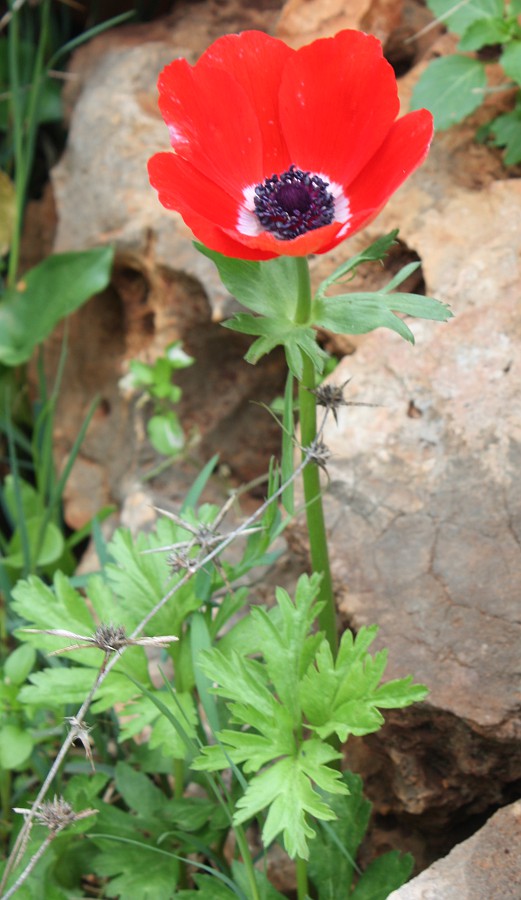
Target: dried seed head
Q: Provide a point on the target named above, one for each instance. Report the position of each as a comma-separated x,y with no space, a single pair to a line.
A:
55,814
180,562
319,454
331,396
110,638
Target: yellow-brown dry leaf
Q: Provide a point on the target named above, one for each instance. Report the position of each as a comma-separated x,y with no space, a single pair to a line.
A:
7,212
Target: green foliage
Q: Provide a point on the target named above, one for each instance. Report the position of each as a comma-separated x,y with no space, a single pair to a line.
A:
335,846
453,87
49,108
48,293
260,285
286,704
154,380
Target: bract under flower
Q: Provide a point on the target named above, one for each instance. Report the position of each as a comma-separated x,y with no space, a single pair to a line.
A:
281,152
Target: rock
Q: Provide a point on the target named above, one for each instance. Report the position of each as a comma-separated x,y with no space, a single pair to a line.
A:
115,128
302,21
486,867
424,502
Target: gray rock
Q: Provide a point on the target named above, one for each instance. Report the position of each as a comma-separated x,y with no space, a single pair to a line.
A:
101,184
486,867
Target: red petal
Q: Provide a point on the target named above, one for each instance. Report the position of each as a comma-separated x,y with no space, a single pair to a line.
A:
338,100
311,242
204,206
212,124
404,149
255,60
180,185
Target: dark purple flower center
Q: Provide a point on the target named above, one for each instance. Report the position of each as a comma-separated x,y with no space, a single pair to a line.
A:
293,203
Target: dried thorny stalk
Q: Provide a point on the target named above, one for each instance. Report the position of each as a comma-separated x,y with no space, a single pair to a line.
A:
113,641
55,815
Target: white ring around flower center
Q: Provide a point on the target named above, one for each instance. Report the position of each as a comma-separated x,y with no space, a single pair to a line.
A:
249,225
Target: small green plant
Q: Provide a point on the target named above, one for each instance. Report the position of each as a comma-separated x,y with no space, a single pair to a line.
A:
453,87
154,380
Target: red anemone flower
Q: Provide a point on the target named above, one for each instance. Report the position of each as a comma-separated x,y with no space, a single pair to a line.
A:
281,152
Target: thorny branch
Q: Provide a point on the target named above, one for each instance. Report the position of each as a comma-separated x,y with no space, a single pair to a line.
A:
312,454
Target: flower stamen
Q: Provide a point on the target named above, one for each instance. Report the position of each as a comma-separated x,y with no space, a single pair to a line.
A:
293,203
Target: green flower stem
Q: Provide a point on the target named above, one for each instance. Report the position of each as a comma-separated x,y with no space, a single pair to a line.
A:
179,789
301,867
310,475
244,850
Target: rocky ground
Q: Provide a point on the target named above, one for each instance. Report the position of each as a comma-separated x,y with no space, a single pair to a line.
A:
423,498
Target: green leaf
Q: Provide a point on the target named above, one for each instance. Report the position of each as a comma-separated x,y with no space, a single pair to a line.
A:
343,696
19,664
399,693
166,433
483,33
47,293
334,849
172,717
511,61
457,16
376,251
358,313
138,791
507,133
53,688
286,790
16,746
200,641
265,889
137,870
278,331
269,288
49,108
31,501
140,579
51,545
209,888
452,87
285,640
385,874
46,608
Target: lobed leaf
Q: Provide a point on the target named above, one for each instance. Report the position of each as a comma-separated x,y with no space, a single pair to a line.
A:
285,789
344,696
358,313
